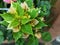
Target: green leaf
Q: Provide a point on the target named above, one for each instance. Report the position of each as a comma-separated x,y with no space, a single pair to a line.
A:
19,9
17,35
4,23
3,29
27,29
9,35
33,41
19,1
1,33
14,23
20,41
46,36
7,17
24,21
1,39
40,25
33,12
29,3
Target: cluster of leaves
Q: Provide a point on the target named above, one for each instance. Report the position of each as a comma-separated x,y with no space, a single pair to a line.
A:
26,21
5,34
45,7
45,11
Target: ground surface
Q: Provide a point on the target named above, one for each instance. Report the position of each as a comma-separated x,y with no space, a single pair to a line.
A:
55,29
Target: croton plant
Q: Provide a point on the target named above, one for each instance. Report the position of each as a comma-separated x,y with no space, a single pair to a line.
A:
26,21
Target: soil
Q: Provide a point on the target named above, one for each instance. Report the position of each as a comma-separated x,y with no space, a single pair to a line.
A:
55,29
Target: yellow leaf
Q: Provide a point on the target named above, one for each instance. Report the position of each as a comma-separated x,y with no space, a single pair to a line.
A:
38,35
16,29
25,35
34,22
24,6
12,10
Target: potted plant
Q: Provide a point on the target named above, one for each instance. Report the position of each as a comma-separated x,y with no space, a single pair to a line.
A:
24,20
